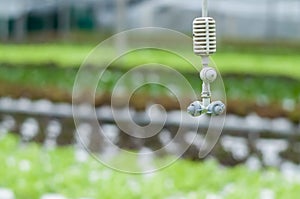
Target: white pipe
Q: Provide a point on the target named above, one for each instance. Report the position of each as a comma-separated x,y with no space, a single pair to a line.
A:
205,60
204,8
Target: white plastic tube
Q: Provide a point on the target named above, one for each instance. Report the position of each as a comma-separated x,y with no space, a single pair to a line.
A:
204,8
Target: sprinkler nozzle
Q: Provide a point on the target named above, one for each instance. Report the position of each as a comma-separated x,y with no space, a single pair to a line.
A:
216,108
196,108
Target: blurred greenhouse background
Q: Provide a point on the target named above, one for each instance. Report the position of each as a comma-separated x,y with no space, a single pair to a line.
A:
43,43
269,19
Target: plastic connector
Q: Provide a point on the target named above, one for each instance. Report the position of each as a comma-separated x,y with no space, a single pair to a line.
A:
208,74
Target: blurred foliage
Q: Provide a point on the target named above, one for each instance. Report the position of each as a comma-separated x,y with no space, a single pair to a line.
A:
228,60
265,89
31,171
261,80
44,54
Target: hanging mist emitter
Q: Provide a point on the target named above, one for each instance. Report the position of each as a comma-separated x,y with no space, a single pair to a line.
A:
204,39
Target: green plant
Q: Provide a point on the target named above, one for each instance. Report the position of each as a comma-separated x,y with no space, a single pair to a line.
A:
228,61
32,171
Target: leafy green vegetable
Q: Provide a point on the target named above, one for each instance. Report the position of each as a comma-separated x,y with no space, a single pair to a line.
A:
32,171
